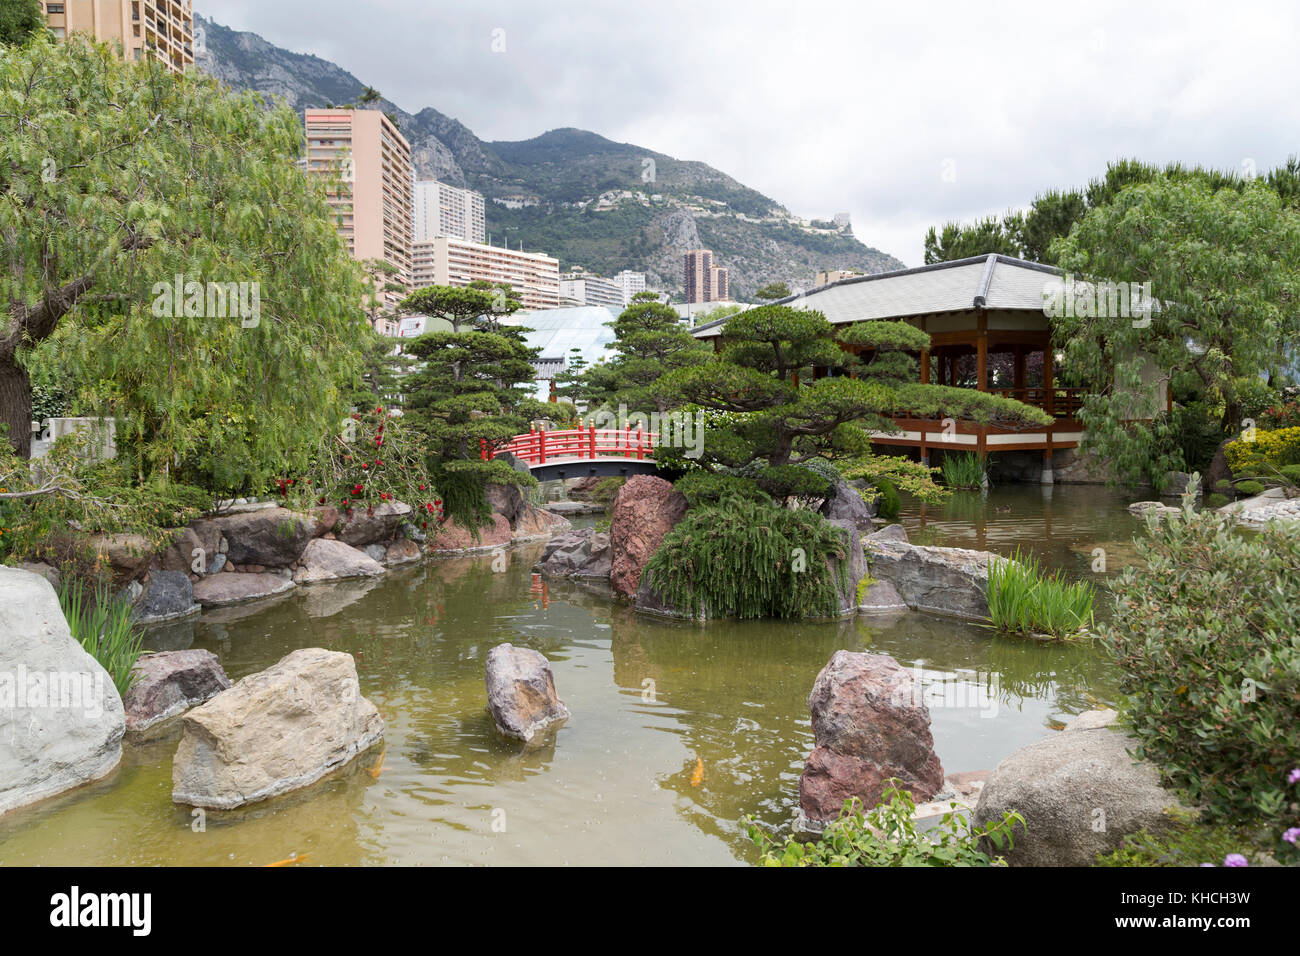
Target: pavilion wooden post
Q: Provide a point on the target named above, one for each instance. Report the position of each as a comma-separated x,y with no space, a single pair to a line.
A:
925,366
1047,476
982,354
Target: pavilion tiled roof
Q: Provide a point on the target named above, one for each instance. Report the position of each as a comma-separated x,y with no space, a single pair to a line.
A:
983,282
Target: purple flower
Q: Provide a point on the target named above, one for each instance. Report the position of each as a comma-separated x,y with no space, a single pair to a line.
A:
1235,859
1292,835
1293,776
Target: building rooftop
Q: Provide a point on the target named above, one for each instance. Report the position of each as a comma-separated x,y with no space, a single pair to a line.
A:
983,282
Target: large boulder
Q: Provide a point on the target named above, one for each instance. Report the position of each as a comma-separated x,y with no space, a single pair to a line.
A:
228,588
870,724
194,550
533,522
582,553
846,503
1080,794
275,731
169,683
168,595
506,500
127,556
330,560
882,597
645,510
61,718
941,580
269,537
890,532
376,525
521,692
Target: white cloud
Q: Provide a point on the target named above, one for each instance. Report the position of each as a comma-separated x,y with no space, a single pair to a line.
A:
835,106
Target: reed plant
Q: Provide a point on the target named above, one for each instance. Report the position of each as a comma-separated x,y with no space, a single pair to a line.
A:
102,624
1026,599
962,471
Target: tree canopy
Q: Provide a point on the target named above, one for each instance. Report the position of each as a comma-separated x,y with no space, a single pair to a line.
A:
169,257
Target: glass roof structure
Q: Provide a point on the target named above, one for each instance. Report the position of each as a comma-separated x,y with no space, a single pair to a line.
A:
558,331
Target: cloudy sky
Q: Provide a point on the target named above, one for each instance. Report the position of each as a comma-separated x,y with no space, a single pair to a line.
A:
903,116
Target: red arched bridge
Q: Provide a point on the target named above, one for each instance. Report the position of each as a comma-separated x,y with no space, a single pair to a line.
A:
580,452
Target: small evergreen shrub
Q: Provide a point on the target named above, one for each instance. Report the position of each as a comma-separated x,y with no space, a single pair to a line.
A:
1207,635
702,487
1216,500
747,559
887,836
1250,488
793,482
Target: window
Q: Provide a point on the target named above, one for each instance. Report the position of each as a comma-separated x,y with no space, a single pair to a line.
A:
54,8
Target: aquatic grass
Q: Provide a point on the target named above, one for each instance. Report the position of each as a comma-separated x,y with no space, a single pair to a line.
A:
962,471
102,624
1023,598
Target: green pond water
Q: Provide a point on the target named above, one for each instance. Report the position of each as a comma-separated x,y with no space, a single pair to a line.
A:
649,699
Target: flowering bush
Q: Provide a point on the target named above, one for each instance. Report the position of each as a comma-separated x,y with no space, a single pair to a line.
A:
1269,452
1207,633
375,459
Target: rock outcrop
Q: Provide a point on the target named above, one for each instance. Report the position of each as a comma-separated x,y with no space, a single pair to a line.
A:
645,510
229,588
846,502
870,724
1080,794
61,718
168,596
330,560
857,565
169,683
584,553
377,525
270,537
275,731
940,580
521,692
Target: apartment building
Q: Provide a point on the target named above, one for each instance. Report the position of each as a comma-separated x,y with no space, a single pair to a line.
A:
703,280
448,260
584,288
443,210
366,163
162,29
630,283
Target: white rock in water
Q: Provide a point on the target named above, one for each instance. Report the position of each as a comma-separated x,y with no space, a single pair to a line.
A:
61,718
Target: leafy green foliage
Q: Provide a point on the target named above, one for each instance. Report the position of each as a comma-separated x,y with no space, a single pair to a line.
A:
1184,842
102,624
1225,266
20,20
704,487
887,836
746,559
649,341
786,483
1023,598
122,177
1207,634
963,470
463,306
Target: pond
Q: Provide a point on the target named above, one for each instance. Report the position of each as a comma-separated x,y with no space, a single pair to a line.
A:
652,701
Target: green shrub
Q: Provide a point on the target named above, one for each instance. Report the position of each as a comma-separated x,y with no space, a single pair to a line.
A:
962,471
102,624
1184,842
746,559
702,487
1269,451
786,482
1198,433
1216,500
1291,474
1250,488
606,489
1207,636
887,836
820,466
888,503
1025,599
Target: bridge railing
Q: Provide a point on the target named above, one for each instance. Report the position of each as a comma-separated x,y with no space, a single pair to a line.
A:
539,446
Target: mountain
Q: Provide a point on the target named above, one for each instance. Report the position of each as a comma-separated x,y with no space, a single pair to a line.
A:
573,194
